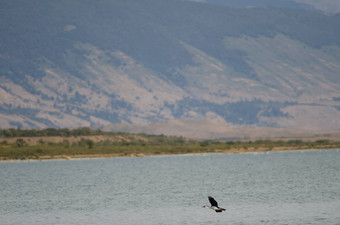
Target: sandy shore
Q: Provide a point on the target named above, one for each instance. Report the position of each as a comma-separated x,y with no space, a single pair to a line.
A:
216,151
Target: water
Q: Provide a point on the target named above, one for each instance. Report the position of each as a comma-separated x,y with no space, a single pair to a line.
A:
300,187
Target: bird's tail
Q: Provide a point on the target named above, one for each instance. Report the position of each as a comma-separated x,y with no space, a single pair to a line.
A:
219,210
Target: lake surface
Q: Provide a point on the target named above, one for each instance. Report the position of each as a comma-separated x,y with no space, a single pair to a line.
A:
296,187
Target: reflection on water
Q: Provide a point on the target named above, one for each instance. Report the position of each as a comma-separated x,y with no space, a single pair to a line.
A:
300,187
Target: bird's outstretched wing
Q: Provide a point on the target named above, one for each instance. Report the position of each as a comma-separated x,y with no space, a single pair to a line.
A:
212,201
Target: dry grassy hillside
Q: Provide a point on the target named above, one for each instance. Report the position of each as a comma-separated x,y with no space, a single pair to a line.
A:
207,129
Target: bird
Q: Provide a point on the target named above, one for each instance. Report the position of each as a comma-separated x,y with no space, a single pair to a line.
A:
214,205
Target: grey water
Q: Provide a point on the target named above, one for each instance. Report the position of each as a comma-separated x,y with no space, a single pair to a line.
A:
296,187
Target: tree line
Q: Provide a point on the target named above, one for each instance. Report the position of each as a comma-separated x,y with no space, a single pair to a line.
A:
48,132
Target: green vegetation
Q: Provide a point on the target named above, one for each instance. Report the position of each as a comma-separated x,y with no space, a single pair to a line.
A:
49,132
105,144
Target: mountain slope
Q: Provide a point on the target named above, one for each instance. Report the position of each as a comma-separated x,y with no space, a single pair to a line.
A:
327,6
84,63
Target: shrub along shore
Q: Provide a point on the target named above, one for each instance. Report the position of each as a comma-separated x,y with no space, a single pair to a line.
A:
16,144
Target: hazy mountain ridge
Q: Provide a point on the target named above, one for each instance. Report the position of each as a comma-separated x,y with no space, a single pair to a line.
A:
91,64
327,6
261,4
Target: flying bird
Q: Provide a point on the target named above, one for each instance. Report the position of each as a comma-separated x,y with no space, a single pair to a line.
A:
214,205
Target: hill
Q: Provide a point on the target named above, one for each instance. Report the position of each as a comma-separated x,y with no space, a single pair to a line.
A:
208,129
84,63
327,6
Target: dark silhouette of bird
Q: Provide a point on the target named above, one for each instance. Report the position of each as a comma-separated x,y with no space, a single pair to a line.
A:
214,205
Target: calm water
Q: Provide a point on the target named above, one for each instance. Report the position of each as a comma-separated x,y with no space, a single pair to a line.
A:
268,188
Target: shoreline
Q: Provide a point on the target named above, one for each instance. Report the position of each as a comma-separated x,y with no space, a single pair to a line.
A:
141,145
101,156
